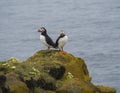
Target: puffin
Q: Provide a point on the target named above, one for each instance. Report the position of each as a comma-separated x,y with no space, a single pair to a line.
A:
45,39
61,41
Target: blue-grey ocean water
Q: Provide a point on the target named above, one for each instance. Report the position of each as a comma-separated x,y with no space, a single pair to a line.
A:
93,28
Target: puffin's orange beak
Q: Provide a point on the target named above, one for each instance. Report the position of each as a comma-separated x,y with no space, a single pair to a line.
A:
39,30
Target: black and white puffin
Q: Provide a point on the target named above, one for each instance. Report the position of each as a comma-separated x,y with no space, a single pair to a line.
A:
45,39
61,41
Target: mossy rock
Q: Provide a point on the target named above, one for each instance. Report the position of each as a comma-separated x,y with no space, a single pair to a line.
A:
15,84
48,71
74,65
106,89
75,85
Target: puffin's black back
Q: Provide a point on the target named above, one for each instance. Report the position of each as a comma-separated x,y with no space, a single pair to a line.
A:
49,40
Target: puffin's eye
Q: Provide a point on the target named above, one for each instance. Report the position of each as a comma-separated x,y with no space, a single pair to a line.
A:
42,29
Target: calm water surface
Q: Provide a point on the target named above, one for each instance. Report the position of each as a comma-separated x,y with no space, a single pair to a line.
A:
93,27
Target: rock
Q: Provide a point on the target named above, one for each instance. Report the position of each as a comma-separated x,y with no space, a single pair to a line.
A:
2,80
3,87
57,73
31,84
46,83
48,71
75,85
106,89
14,83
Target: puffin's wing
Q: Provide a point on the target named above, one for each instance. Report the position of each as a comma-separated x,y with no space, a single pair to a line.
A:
50,41
56,43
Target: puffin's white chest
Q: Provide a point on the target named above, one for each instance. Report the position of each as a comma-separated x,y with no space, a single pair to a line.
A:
43,40
62,41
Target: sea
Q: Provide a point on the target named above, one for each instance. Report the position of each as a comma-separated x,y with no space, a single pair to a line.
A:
92,26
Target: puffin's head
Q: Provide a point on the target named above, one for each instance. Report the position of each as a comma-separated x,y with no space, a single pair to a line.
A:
62,34
42,30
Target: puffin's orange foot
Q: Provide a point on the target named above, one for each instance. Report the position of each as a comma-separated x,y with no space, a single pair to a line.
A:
63,52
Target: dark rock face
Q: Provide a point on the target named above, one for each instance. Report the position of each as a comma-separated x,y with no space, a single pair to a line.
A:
3,69
57,73
2,80
3,88
84,67
46,85
31,84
